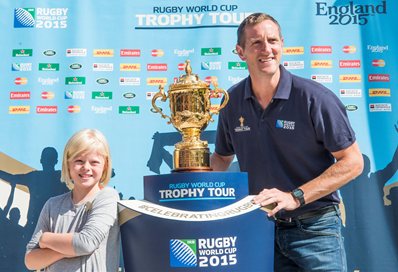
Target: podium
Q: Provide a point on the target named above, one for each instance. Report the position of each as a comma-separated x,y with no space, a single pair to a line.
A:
196,221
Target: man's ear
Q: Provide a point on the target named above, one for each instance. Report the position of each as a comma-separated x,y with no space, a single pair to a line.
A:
239,51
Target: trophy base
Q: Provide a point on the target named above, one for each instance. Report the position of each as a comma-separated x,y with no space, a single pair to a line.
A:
191,160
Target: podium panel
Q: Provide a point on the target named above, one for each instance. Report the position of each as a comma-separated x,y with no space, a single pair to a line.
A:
196,230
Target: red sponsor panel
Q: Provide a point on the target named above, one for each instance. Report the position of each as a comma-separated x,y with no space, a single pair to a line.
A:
47,109
19,95
324,49
379,77
156,67
130,52
350,63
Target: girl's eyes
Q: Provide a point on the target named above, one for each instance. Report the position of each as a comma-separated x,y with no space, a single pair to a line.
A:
82,162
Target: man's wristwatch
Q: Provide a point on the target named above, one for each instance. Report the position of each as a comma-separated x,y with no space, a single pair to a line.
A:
299,195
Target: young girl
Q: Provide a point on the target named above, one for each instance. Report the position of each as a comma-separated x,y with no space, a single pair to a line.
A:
78,231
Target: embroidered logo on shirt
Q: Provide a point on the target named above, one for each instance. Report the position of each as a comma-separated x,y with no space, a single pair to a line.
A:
283,124
242,127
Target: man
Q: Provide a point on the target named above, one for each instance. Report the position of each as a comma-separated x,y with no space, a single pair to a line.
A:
293,137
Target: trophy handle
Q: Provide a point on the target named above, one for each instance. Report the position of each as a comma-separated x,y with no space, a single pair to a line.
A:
226,98
164,98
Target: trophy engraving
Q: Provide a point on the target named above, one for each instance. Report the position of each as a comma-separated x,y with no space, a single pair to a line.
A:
189,100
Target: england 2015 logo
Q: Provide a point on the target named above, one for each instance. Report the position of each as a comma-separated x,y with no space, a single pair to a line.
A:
351,13
40,18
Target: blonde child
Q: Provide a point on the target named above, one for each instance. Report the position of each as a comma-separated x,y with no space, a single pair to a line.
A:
78,230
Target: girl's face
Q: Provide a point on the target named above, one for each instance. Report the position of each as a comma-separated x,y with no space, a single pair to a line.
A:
86,171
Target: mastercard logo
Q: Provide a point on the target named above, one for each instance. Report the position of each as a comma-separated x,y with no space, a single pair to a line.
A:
157,53
378,63
211,79
349,49
21,81
73,109
47,95
181,66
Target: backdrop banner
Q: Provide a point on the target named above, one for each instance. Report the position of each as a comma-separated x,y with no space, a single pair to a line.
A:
67,65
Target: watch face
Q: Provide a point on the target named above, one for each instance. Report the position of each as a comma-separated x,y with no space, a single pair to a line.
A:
298,193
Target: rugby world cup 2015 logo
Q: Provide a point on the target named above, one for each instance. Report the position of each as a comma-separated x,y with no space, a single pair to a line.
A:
24,17
183,253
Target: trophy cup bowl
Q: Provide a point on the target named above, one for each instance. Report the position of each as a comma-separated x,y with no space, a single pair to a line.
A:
189,100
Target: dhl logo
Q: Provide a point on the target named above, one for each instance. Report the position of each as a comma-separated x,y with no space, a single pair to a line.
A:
349,49
130,67
157,53
378,63
321,64
379,92
155,81
19,109
21,81
350,78
103,53
73,109
47,95
293,50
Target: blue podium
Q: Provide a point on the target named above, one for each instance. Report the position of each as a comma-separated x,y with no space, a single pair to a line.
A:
197,221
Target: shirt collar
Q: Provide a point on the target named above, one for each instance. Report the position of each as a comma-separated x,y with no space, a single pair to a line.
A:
284,85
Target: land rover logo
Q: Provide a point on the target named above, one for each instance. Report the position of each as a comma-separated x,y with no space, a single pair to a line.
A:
351,107
129,95
49,53
75,66
102,81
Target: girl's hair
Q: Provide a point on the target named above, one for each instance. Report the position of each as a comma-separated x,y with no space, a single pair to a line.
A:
254,19
82,142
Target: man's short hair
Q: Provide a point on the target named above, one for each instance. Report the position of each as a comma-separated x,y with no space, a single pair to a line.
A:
254,19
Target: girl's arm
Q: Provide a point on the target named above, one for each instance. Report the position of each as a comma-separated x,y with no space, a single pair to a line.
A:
41,258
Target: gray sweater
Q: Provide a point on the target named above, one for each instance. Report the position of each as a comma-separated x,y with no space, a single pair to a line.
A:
96,238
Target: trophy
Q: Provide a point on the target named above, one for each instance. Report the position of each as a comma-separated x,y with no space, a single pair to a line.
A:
190,106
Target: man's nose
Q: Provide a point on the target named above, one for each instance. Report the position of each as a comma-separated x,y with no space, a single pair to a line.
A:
266,46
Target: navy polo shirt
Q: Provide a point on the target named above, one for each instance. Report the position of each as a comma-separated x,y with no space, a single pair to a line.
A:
288,143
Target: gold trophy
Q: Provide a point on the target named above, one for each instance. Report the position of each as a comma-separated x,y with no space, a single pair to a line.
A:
190,111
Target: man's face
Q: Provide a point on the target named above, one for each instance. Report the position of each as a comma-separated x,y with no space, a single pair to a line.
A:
262,48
